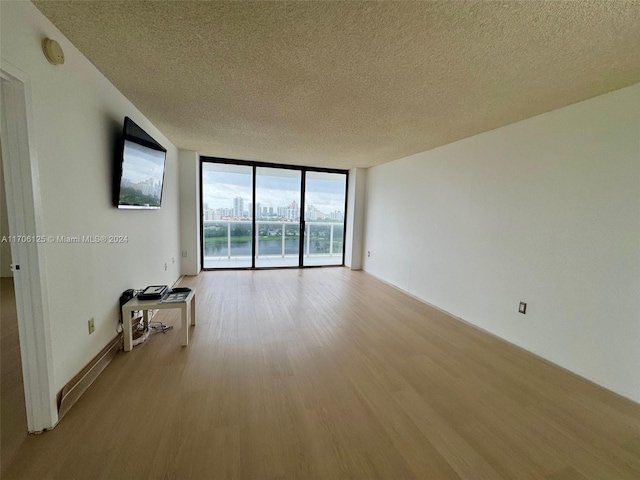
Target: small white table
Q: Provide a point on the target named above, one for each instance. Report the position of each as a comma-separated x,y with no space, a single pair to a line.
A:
188,308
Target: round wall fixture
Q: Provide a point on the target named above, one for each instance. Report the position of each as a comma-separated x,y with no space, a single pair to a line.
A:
53,51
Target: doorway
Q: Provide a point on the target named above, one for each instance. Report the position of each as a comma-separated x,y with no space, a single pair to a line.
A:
257,215
24,215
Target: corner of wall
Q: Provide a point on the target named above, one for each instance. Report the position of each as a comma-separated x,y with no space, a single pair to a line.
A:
189,194
355,218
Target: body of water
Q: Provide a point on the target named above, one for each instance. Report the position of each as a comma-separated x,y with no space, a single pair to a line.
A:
267,247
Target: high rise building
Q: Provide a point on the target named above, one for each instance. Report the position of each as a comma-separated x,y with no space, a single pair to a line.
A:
294,211
312,213
337,215
238,207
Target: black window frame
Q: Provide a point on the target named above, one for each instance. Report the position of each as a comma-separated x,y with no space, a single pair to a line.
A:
255,165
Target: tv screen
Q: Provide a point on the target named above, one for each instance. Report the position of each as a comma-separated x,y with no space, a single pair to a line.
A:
142,169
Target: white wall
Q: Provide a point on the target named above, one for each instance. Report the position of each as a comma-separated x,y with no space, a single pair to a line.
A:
78,116
355,218
5,247
189,172
546,211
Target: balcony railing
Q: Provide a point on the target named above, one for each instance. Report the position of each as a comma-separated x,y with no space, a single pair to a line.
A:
231,239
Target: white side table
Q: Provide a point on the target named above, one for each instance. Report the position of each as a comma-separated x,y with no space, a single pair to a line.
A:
188,308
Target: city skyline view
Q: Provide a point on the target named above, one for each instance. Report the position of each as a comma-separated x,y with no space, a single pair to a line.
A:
242,209
275,189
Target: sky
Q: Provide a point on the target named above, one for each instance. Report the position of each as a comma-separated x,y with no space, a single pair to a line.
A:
221,187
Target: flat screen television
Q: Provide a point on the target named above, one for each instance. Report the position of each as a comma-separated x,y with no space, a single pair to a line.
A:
141,169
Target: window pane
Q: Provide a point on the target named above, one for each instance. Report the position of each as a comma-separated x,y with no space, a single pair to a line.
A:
226,215
324,218
277,217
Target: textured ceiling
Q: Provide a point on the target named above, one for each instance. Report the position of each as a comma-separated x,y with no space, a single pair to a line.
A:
349,84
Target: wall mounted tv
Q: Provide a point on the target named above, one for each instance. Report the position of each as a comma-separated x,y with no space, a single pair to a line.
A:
141,172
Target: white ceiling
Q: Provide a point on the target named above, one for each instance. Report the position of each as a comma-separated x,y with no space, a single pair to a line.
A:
349,84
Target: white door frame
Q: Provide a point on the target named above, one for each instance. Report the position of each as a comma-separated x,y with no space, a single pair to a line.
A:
24,212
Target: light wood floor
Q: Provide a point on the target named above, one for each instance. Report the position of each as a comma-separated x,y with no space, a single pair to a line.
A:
13,418
330,374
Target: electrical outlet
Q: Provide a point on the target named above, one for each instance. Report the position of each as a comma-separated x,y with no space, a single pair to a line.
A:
165,267
173,259
92,326
184,254
368,254
522,308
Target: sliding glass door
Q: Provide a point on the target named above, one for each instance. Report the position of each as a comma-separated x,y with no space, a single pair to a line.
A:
325,196
277,217
258,215
227,216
